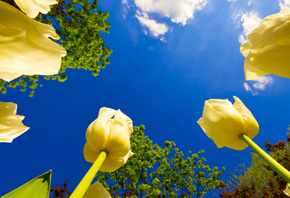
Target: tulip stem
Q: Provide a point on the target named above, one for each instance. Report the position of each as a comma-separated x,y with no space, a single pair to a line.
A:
280,170
88,178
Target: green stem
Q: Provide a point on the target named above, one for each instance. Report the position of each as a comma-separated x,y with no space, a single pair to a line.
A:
88,178
280,170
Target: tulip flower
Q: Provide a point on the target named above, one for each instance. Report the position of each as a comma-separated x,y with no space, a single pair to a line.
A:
25,48
107,147
268,48
97,190
10,123
287,190
111,135
223,122
234,126
33,7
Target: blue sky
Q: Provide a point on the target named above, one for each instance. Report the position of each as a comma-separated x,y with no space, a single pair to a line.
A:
168,58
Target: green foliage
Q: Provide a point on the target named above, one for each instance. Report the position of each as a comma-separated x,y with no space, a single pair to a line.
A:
259,180
160,172
38,187
79,24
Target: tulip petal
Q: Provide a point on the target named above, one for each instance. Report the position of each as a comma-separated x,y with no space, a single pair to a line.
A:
273,29
33,7
25,48
7,109
267,50
251,125
98,132
223,124
97,190
121,130
10,123
111,164
273,60
110,132
250,69
91,153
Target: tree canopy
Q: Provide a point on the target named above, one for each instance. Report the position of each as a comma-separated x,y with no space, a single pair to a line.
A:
259,180
160,172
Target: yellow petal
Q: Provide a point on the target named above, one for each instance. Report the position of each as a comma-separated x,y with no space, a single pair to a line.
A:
222,123
10,123
25,48
91,153
274,29
121,130
33,7
246,48
287,190
97,190
251,125
267,50
111,164
250,69
110,132
98,132
274,59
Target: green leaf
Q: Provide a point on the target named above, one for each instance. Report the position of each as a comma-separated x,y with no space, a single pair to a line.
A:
38,187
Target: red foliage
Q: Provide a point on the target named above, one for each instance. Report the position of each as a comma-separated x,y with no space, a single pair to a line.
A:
241,191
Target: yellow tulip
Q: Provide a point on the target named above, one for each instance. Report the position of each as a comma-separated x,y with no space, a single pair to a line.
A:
25,48
268,48
97,190
33,7
223,122
287,190
10,123
111,135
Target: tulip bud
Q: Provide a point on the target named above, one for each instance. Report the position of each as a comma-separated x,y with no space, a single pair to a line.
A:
10,123
268,48
97,190
223,122
111,135
287,190
25,48
33,7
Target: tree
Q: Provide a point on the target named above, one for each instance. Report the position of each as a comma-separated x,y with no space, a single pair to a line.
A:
60,192
79,23
160,172
259,180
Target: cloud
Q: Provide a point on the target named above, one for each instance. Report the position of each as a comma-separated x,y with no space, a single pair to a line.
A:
156,29
249,20
258,84
179,11
231,0
284,4
150,12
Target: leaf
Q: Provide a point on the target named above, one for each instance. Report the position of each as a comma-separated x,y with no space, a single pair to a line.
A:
38,187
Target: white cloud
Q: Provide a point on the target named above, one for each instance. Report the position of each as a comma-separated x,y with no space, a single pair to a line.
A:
284,4
258,84
156,29
150,12
231,0
249,20
247,87
262,82
179,11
